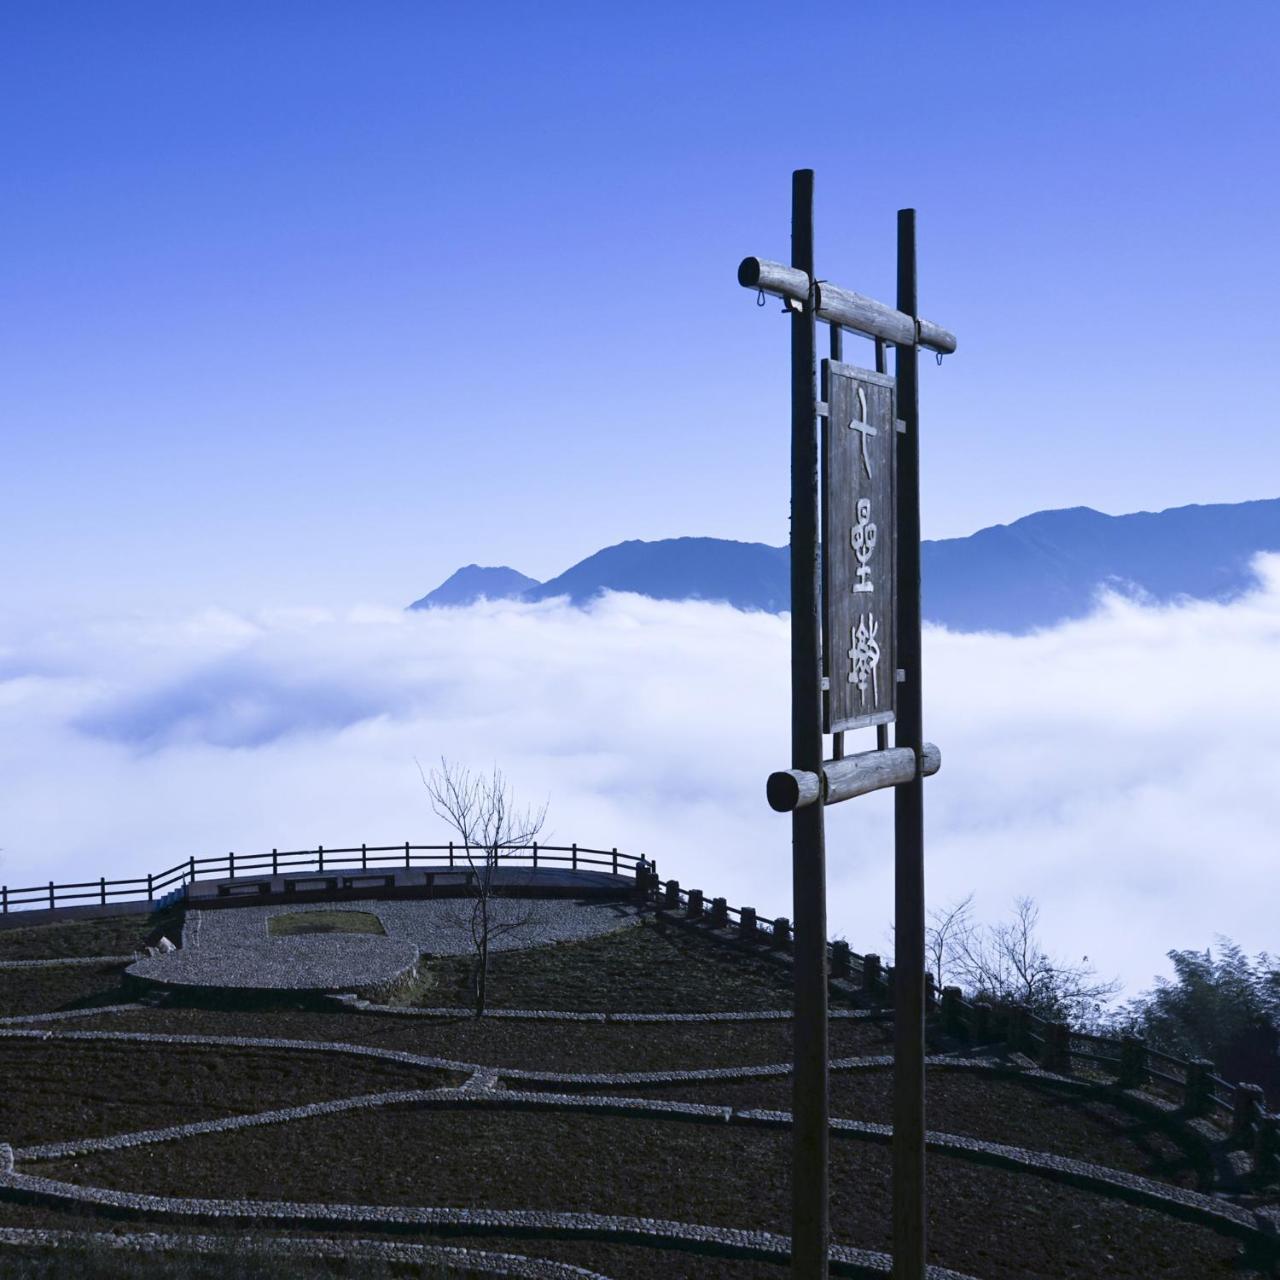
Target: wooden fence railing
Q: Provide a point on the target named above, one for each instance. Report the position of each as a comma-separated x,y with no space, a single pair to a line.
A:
159,886
1127,1059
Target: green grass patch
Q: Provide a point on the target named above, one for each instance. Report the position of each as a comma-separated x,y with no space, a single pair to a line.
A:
293,923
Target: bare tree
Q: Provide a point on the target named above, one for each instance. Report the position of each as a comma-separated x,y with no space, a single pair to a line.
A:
481,809
1005,962
946,934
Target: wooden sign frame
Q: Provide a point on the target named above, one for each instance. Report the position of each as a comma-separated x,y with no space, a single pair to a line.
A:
820,574
859,547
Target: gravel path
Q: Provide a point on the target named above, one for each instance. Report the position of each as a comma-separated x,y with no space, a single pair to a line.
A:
324,962
439,927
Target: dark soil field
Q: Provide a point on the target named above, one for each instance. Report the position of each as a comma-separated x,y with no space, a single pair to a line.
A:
992,1224
108,936
25,991
987,1221
55,1091
541,1046
1022,1113
656,967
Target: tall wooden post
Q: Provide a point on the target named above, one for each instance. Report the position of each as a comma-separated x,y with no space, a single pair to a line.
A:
909,1208
835,336
809,1191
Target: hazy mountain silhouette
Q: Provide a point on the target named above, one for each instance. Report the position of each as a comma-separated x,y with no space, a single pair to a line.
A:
747,575
1049,566
475,582
1042,569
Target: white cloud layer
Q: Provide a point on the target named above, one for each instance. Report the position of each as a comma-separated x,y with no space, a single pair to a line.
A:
1124,770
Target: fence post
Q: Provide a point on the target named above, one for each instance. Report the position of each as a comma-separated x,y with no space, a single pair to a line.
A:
275,862
1055,1052
535,853
406,854
364,856
1133,1061
151,897
781,932
50,895
870,972
982,1022
4,898
450,853
1197,1092
231,861
1266,1146
671,901
102,890
719,913
575,856
615,860
320,857
841,959
747,922
695,904
1019,1032
191,870
1247,1112
952,1011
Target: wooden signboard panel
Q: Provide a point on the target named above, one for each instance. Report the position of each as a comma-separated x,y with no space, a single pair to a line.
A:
859,552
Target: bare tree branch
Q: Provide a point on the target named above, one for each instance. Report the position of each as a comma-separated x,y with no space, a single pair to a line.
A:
1005,962
481,810
947,931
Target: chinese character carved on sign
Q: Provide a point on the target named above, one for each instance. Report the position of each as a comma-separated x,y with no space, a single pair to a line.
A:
862,538
865,656
863,427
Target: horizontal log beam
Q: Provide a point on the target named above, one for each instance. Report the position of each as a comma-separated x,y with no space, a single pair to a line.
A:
844,307
851,776
792,789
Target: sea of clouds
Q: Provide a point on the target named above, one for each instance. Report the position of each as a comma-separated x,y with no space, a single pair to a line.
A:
1123,770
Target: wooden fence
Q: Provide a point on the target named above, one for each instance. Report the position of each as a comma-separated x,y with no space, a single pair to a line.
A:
1127,1060
163,886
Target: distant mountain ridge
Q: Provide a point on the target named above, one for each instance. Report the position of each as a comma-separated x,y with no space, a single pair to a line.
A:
473,582
747,575
1042,569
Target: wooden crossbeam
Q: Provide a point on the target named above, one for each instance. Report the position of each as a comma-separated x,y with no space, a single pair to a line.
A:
844,307
856,775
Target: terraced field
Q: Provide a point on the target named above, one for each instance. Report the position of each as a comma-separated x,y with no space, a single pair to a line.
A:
320,1138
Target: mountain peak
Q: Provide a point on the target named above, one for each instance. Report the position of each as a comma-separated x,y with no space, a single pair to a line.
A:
747,575
477,582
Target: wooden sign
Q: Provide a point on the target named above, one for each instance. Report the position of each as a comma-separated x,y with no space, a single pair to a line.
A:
859,552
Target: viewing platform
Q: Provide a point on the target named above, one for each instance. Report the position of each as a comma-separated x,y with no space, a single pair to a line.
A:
334,874
432,881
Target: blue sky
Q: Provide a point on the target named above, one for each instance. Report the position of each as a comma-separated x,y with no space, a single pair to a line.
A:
303,305
310,303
